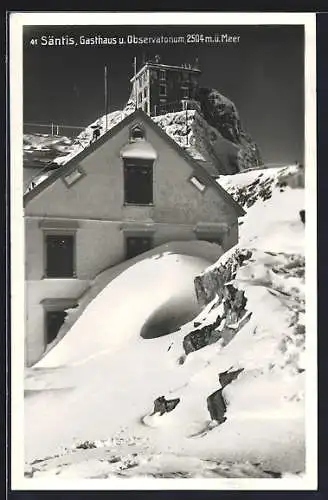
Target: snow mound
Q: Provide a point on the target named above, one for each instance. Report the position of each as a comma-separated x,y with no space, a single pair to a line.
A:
240,394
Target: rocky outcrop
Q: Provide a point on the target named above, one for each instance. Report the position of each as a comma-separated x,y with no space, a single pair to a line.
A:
222,115
162,405
201,337
225,378
216,406
211,284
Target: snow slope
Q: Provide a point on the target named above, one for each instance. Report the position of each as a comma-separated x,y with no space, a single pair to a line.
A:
95,390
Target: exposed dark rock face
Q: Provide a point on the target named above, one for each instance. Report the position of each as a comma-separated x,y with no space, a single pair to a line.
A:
217,406
216,284
227,377
302,216
162,405
201,337
211,284
232,320
222,114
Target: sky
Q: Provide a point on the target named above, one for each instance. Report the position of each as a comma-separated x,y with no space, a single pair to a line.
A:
263,74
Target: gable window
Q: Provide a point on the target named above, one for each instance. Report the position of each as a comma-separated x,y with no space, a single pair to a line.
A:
137,132
73,176
138,182
197,183
145,92
135,245
59,250
139,97
162,90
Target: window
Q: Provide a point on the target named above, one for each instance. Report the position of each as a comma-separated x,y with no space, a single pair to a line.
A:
162,74
138,182
145,92
139,97
54,321
59,255
162,90
73,176
137,132
135,245
185,94
145,107
197,183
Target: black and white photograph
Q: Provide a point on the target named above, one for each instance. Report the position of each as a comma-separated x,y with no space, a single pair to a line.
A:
163,201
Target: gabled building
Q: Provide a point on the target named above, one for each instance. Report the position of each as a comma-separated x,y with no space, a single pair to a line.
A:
161,88
131,190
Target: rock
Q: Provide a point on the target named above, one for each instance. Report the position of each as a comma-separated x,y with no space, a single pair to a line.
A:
202,337
302,216
227,377
211,284
162,405
217,406
222,115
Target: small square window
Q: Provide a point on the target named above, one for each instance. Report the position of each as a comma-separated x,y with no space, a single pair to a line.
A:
73,176
162,90
197,183
135,245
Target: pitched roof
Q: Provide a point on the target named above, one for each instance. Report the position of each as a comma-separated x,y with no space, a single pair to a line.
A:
138,114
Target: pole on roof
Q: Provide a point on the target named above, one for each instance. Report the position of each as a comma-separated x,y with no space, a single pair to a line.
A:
106,96
186,108
135,80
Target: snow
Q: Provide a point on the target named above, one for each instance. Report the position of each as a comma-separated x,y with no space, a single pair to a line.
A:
97,386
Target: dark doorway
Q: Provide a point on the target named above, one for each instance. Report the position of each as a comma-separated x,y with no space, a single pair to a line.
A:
136,245
60,255
54,320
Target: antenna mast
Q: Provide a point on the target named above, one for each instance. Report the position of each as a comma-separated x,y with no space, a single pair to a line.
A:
135,81
106,96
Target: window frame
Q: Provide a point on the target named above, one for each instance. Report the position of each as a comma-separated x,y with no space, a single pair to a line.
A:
137,234
135,163
163,85
77,169
197,183
54,305
59,232
161,73
133,128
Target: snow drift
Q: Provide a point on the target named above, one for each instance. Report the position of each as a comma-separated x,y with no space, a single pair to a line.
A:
238,393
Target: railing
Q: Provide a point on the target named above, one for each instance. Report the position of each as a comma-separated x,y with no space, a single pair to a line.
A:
172,107
53,129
